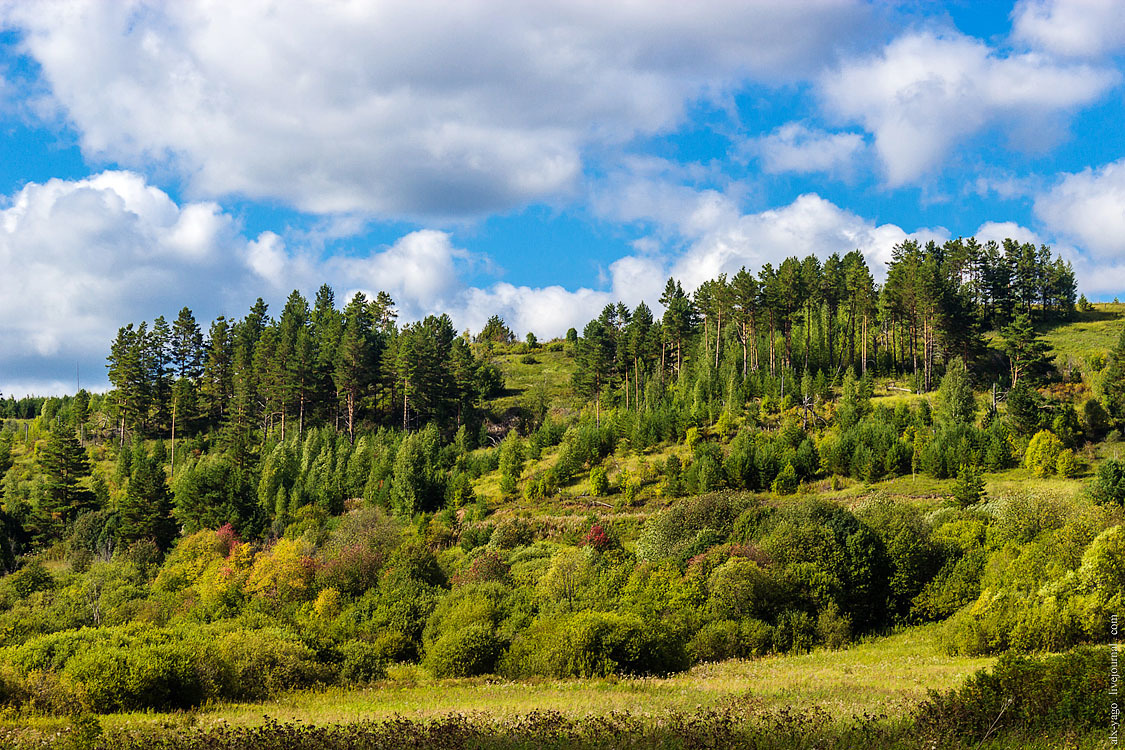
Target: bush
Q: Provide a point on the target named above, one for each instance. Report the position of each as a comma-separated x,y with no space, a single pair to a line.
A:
363,662
969,487
1066,465
30,578
716,641
785,483
586,644
599,483
1108,485
671,532
263,662
1023,696
469,651
1043,453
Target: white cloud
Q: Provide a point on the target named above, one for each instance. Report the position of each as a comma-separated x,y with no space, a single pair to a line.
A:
810,225
711,235
402,107
79,258
1005,186
1075,28
926,92
797,148
998,231
1088,209
420,269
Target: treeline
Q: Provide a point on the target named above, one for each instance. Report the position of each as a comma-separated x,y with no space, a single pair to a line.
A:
312,365
27,407
806,316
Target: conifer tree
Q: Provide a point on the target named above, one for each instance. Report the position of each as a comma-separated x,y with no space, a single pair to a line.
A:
145,512
355,365
1027,352
64,464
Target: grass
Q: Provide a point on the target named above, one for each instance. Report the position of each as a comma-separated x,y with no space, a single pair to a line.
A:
1094,332
546,380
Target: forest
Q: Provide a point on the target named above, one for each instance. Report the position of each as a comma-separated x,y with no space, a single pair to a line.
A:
783,461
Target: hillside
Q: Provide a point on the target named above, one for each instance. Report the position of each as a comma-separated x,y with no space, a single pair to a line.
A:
829,546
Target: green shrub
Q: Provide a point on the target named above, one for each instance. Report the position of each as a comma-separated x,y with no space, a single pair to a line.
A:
795,632
263,662
599,483
739,588
716,641
30,578
588,644
670,532
956,585
1042,453
785,483
469,651
1066,465
363,662
1108,485
1023,696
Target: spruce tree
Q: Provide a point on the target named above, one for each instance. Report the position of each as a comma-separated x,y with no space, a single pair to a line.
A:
1114,388
969,487
64,464
146,510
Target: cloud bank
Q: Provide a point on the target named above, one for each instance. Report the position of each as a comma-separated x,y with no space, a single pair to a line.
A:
401,108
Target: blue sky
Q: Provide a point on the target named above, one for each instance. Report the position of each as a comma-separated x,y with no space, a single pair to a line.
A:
536,160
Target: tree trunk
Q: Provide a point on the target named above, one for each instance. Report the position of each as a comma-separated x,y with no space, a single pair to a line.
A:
773,358
174,401
745,350
718,336
351,416
863,344
637,380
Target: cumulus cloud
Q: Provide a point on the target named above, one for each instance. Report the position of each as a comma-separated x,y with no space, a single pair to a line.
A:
797,148
998,231
79,258
1088,209
1075,28
707,234
401,108
925,92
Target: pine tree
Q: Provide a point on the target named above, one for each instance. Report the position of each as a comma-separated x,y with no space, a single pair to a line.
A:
595,359
1114,380
146,510
744,303
1027,352
64,464
354,367
128,377
187,353
677,321
969,487
157,358
217,386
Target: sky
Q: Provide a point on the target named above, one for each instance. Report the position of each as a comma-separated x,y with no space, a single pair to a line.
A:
533,160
